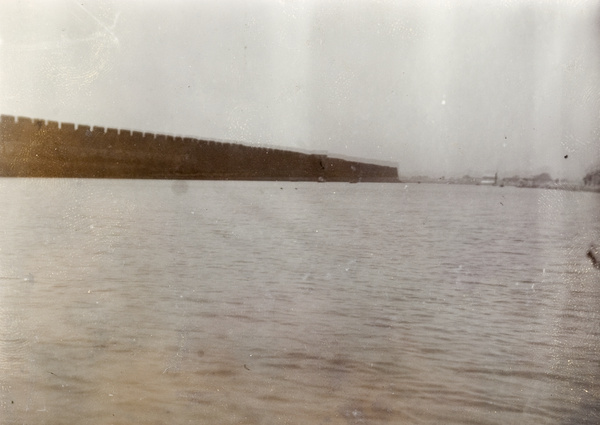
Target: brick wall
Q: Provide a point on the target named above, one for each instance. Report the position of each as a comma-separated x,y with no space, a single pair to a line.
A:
39,148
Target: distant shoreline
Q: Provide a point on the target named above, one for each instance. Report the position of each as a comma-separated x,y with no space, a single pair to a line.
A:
524,183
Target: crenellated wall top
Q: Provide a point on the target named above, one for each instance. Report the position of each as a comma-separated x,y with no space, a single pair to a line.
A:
42,124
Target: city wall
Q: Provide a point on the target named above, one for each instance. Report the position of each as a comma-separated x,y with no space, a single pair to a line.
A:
39,148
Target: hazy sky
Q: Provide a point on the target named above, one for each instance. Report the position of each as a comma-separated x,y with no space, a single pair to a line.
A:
444,87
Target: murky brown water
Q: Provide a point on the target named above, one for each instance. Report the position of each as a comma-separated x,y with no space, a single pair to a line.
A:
289,303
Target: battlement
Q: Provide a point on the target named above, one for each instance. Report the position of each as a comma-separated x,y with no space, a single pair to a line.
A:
42,124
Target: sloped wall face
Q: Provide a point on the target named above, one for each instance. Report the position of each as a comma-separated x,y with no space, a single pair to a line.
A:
38,148
353,171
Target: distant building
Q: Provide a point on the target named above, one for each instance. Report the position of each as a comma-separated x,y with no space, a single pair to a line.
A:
489,180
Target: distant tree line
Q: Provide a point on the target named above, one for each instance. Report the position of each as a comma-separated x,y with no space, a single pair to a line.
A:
592,178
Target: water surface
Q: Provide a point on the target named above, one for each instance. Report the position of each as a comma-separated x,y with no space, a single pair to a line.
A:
126,301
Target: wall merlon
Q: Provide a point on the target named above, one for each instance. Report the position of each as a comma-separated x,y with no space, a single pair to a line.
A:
21,120
8,118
